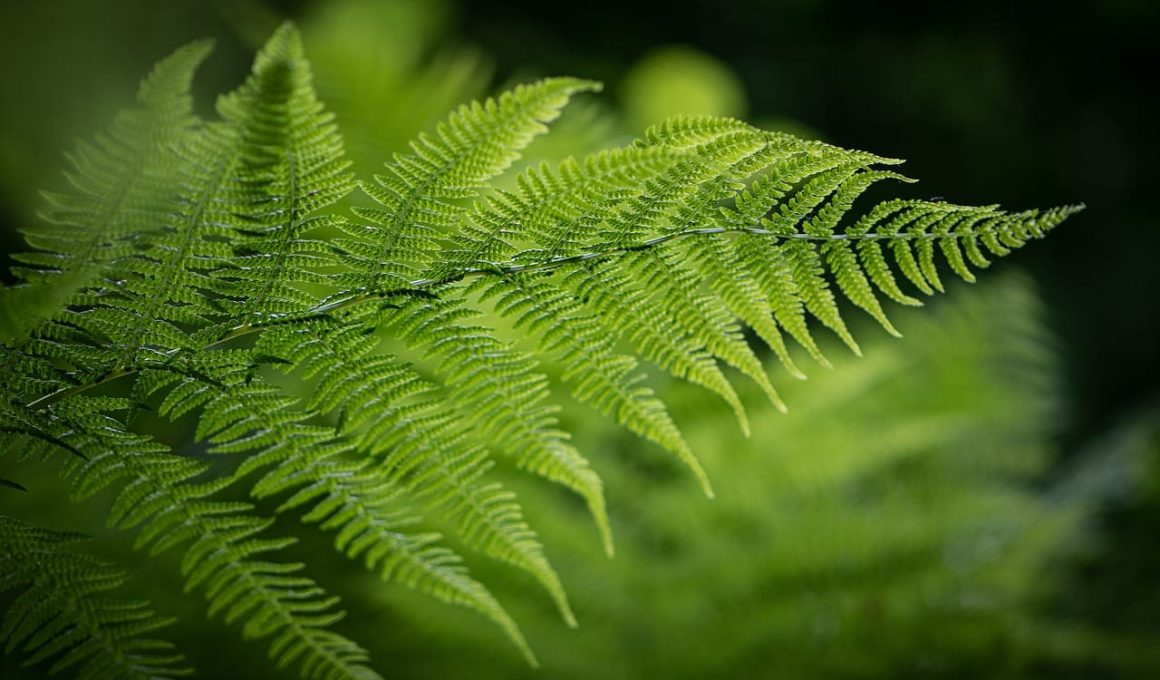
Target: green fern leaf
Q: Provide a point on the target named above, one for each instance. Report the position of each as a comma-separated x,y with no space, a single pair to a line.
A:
416,196
62,611
117,180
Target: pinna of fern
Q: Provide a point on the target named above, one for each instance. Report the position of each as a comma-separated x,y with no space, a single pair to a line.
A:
214,261
62,611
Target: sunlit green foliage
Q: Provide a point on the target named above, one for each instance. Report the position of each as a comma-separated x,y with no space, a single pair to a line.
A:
345,366
906,538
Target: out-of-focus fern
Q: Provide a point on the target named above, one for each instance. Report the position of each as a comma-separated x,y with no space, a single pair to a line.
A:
904,538
62,610
219,281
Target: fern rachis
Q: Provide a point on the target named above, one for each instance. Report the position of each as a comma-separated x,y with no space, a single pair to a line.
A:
223,257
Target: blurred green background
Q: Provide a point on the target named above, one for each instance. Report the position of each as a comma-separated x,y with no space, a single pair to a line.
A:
980,499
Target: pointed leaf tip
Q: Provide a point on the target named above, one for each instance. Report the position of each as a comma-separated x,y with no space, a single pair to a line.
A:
284,45
173,75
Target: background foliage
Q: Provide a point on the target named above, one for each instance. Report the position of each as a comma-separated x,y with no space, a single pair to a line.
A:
986,509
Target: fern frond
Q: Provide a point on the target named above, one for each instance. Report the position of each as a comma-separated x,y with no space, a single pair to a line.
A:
62,611
600,376
501,402
868,506
338,481
401,242
736,226
377,531
120,190
171,293
416,195
393,415
542,221
118,181
292,168
168,499
209,257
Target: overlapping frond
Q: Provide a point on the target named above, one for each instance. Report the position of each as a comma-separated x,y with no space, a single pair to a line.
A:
392,416
223,191
418,194
168,499
61,610
118,182
341,481
120,187
421,198
291,168
729,227
368,373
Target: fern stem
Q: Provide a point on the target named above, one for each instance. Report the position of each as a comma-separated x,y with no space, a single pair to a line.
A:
64,392
347,299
